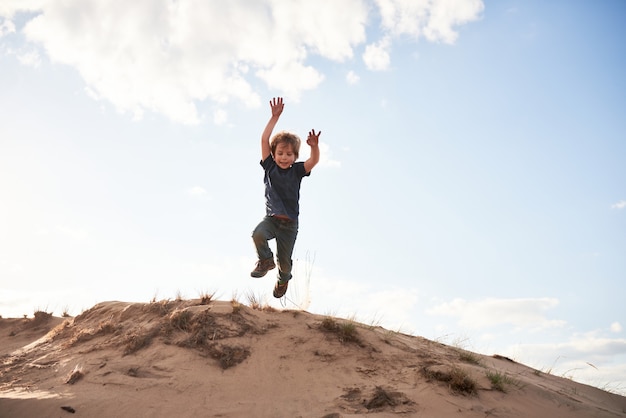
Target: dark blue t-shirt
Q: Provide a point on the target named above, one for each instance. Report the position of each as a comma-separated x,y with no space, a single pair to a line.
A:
282,188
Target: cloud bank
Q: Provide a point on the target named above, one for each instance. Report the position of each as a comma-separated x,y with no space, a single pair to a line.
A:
520,312
169,56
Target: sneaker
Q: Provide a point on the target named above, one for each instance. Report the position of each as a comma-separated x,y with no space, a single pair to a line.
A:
280,288
262,267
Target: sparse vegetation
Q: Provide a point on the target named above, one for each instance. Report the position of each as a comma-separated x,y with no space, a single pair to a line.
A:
41,317
469,357
254,301
206,297
236,306
462,382
346,331
549,370
213,334
139,339
228,356
163,307
458,380
376,321
181,320
381,398
500,380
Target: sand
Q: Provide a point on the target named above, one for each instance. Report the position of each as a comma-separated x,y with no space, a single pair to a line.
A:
203,358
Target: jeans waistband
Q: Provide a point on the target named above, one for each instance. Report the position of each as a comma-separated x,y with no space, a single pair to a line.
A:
283,219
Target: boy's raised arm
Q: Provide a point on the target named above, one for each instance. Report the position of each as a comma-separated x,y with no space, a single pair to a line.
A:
277,108
313,141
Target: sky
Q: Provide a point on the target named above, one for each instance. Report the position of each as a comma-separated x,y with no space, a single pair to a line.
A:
471,188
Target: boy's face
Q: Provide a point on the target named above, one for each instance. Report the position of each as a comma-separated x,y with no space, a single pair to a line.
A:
284,155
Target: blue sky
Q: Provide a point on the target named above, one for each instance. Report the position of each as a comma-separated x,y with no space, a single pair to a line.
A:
472,187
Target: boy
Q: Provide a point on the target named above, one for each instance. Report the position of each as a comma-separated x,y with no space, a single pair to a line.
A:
283,176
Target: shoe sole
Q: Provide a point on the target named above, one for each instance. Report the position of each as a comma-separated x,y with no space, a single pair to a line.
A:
256,275
278,296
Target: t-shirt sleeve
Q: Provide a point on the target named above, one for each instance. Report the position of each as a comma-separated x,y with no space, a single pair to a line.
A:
267,163
300,170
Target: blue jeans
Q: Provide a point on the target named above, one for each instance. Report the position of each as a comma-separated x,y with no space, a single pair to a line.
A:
285,232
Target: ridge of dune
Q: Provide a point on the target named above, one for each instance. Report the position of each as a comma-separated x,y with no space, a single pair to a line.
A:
203,358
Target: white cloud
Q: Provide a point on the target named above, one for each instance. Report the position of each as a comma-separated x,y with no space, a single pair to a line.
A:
168,56
448,13
326,156
6,27
30,59
197,192
77,234
616,327
596,350
391,308
8,8
587,359
291,78
352,77
523,312
220,117
619,205
376,56
9,267
433,19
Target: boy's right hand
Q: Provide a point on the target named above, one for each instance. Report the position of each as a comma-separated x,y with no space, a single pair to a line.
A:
277,106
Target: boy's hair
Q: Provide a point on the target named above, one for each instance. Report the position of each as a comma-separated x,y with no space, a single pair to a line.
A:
284,137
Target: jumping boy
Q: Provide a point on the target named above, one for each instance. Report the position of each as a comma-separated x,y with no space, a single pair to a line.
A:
283,176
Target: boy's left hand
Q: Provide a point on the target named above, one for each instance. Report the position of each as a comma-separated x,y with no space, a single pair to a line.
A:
313,138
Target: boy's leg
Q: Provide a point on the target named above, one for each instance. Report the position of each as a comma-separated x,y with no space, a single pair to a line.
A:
285,242
264,232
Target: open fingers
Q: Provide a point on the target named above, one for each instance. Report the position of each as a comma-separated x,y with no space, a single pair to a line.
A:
314,135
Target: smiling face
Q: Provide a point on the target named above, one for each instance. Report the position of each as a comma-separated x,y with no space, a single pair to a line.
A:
285,147
284,155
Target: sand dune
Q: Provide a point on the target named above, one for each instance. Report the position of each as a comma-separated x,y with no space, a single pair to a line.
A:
221,359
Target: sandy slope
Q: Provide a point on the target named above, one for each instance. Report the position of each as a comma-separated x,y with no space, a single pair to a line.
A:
222,359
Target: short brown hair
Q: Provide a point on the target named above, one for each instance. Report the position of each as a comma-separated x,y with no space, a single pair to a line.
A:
284,137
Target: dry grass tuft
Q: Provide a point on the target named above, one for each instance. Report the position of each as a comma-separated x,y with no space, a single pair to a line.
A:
457,379
206,297
139,339
380,399
228,356
499,381
181,320
254,301
162,308
41,317
469,357
345,331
